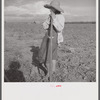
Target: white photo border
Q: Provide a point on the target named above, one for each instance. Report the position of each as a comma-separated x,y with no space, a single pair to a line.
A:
48,90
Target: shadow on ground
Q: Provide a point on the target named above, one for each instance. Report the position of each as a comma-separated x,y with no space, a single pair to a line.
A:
14,74
35,61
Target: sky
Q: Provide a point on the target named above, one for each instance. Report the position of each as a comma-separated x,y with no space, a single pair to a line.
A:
74,10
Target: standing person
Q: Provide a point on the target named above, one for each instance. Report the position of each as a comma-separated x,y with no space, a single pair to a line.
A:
57,37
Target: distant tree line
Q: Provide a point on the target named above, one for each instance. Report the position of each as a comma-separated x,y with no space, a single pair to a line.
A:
80,22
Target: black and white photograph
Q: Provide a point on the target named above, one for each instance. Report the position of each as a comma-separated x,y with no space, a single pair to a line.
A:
50,41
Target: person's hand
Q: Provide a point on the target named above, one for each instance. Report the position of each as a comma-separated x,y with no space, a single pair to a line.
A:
52,15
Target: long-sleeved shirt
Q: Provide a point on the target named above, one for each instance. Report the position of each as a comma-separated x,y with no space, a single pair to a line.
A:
58,23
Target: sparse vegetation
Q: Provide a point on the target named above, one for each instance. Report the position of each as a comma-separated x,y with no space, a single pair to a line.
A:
76,56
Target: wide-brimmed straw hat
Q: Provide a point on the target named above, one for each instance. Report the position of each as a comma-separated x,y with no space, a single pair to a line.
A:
54,4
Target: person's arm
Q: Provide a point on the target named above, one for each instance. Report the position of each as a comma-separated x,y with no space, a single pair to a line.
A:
46,23
58,22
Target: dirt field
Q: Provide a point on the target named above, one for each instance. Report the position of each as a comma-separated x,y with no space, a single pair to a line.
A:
76,56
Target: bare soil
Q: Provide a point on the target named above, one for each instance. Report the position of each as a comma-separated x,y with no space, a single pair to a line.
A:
76,57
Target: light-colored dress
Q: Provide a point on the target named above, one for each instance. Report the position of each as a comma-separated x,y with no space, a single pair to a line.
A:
58,25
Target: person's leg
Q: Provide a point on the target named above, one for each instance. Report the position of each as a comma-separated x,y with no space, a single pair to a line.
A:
53,65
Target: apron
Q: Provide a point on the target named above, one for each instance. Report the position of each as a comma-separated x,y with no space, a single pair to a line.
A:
44,52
